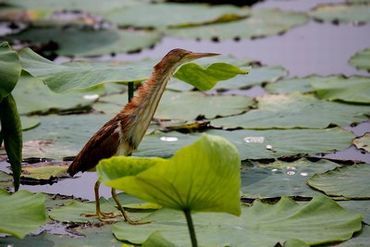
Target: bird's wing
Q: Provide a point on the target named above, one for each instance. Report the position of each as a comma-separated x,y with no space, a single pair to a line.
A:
103,144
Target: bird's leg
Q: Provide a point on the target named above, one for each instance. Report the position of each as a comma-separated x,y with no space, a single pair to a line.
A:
101,215
124,213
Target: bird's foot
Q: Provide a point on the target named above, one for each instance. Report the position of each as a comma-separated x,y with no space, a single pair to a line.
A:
132,221
102,216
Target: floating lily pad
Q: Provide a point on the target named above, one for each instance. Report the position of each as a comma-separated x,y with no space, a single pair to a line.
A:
321,221
34,97
255,144
363,142
342,13
21,213
256,76
358,206
261,23
81,42
360,239
29,122
349,181
186,105
156,239
282,178
151,15
6,181
295,111
361,59
42,171
10,69
358,1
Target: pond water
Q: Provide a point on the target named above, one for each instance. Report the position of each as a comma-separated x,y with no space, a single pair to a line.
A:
314,48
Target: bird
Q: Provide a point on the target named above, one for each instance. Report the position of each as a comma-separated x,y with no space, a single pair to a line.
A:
123,133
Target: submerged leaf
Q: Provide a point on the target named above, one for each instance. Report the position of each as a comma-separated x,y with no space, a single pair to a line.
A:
348,181
317,222
21,213
204,176
10,69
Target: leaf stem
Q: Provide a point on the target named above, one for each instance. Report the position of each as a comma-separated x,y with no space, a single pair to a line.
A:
189,220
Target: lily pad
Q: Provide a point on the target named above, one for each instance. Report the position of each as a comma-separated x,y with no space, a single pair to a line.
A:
44,171
261,23
363,142
212,163
295,111
349,181
361,60
81,42
34,97
361,239
282,178
6,181
21,213
346,13
151,15
10,69
320,221
256,76
358,206
255,144
29,122
185,106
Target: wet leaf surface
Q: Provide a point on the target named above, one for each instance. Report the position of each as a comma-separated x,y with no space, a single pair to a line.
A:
10,69
359,240
342,13
21,213
358,206
361,59
191,14
295,111
261,23
282,178
349,181
363,142
84,42
256,226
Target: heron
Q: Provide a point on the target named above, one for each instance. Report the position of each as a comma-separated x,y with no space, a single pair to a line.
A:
123,133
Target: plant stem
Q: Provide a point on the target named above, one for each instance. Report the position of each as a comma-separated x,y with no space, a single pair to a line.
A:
131,90
189,220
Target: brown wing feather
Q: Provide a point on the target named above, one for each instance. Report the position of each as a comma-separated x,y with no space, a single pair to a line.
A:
103,144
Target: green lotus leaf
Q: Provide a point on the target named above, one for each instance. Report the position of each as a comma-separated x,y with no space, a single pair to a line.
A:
207,78
342,13
5,181
319,221
363,142
10,69
151,15
44,171
281,178
358,206
29,123
295,111
203,176
21,213
262,22
156,239
360,239
348,181
361,59
83,42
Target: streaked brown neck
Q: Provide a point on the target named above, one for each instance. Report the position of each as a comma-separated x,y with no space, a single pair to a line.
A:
138,113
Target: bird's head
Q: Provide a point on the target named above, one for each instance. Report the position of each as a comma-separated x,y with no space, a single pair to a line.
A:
177,57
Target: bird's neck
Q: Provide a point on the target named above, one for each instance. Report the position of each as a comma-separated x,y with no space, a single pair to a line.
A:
139,112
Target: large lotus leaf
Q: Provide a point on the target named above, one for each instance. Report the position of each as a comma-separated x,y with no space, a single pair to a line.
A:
282,178
34,97
361,59
21,213
81,42
261,23
151,15
61,136
156,239
342,13
10,69
358,206
29,122
348,181
295,111
44,171
320,221
354,90
204,176
256,76
255,144
363,142
360,239
185,106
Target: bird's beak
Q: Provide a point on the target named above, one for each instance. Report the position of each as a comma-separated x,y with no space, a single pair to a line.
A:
196,55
